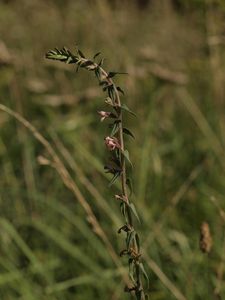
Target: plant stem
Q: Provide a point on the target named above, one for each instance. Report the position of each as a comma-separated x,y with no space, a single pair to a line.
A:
121,141
115,144
123,165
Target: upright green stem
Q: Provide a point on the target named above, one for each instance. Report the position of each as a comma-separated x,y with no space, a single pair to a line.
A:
121,141
123,164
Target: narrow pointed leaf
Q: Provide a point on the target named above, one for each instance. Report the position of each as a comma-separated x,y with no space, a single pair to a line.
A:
111,92
123,209
132,206
144,273
56,55
137,241
130,185
126,108
115,128
127,156
77,68
114,178
96,55
131,270
130,238
97,73
128,132
120,90
112,74
80,53
101,62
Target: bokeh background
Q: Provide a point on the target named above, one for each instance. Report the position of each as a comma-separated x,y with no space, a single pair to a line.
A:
174,52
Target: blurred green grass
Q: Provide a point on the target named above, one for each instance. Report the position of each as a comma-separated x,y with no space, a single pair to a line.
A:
175,58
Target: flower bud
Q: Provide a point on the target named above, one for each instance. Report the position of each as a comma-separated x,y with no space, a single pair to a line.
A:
104,115
112,143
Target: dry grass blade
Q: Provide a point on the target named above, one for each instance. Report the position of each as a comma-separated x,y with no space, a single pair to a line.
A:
202,122
174,201
85,181
164,279
68,181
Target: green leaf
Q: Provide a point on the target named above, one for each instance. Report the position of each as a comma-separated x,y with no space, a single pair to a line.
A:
63,55
101,62
126,108
137,241
123,209
132,206
112,74
115,128
77,68
56,55
120,90
144,273
111,92
128,132
127,156
131,270
130,185
130,238
96,55
97,73
114,178
80,53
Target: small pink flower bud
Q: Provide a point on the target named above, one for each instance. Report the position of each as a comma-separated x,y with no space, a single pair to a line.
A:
104,114
111,143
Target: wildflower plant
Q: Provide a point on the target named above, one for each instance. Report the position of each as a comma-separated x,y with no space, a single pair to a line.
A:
117,164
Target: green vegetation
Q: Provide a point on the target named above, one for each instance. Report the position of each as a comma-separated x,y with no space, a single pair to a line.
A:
175,56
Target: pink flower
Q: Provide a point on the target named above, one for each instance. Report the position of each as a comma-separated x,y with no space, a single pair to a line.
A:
112,143
104,115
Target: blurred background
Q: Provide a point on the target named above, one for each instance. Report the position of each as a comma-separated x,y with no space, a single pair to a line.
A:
174,52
